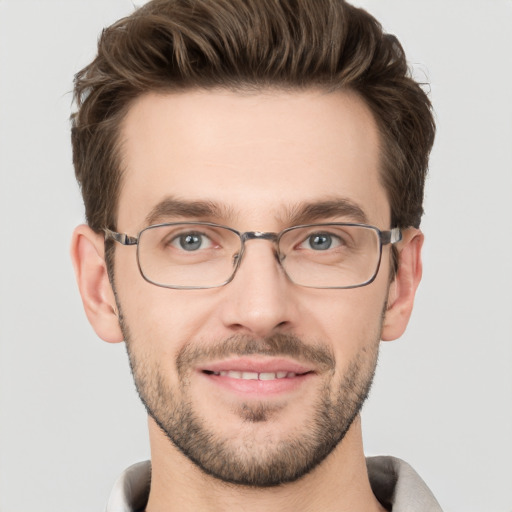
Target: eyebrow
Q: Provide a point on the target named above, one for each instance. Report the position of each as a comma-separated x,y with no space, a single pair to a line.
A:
171,207
303,213
323,210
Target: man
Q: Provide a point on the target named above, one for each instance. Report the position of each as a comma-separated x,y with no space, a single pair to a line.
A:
253,175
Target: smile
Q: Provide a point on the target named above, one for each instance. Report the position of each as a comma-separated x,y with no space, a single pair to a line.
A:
254,375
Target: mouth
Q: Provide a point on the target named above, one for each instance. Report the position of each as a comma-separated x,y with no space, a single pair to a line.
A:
233,374
250,376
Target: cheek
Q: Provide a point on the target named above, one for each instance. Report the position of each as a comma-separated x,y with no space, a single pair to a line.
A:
355,339
350,322
346,317
161,318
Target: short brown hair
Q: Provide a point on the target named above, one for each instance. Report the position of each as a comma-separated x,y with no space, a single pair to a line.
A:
172,45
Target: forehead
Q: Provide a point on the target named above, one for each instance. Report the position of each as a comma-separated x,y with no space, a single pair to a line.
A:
256,155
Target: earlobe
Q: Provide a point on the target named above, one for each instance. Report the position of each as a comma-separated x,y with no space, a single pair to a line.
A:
87,254
403,288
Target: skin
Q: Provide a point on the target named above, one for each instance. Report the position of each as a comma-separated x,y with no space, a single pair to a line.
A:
259,156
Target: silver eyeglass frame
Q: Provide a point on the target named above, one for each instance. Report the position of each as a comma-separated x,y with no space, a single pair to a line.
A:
391,236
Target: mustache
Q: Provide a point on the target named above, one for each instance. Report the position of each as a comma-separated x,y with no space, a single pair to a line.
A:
287,345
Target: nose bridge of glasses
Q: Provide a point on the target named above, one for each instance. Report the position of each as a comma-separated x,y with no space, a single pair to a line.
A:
259,235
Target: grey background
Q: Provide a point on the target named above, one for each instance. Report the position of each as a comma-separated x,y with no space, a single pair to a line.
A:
70,419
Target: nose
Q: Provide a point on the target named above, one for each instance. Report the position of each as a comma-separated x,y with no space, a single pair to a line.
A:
260,299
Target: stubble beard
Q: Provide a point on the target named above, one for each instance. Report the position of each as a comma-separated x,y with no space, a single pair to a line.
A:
249,462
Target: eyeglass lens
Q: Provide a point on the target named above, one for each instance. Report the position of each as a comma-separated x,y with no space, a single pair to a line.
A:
200,255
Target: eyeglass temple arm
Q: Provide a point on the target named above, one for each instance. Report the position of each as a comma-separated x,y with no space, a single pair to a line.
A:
391,237
122,238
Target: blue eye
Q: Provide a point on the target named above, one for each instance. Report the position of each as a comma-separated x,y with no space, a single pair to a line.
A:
320,241
191,242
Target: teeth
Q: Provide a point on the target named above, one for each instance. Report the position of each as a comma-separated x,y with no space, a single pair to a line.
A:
255,376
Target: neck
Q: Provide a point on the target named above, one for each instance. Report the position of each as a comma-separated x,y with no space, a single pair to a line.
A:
340,483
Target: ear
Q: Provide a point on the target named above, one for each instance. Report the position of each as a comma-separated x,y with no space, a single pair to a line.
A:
403,288
88,256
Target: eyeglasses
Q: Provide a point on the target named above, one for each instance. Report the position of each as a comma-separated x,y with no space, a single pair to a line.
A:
198,255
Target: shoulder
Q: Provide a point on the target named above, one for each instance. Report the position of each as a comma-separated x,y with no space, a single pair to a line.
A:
398,487
131,490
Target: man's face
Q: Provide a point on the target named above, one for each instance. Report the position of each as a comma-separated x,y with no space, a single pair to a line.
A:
259,380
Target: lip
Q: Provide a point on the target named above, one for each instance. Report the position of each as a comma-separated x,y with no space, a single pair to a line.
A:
296,375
